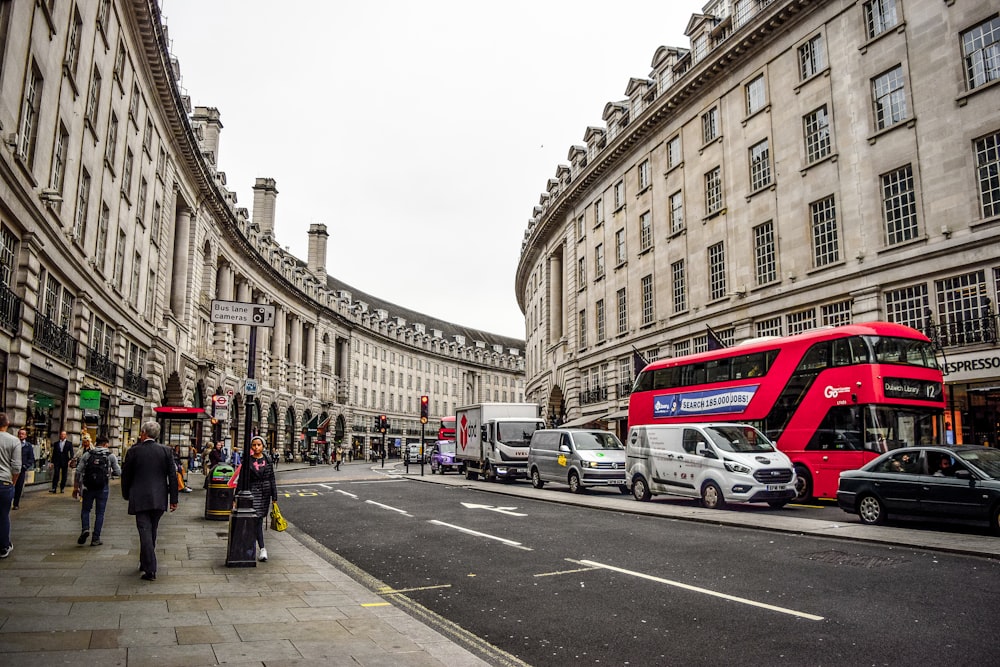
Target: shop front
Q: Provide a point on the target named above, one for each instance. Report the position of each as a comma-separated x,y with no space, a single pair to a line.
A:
972,408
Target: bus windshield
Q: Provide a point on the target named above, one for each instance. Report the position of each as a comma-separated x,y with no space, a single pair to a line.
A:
889,350
739,439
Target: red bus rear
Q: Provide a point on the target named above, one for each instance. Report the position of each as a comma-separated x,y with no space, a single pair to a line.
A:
447,429
832,399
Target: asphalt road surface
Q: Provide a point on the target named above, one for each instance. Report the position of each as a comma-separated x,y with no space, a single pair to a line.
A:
561,585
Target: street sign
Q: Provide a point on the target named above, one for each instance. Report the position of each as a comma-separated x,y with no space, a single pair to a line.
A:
243,314
250,387
221,401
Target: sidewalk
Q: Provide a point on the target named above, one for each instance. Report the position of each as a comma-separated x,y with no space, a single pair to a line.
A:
61,603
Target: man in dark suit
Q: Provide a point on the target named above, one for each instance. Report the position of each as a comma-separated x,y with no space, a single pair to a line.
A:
62,452
149,479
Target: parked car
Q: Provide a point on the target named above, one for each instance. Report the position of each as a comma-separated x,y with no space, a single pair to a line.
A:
957,482
443,457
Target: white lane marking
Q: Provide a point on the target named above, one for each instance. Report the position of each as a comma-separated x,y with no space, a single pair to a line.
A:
396,591
468,531
389,507
502,510
696,589
347,494
554,574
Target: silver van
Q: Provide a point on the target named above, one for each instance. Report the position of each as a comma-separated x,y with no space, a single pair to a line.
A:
716,462
577,457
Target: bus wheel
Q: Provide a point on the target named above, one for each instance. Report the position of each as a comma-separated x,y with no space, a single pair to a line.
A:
536,479
574,483
640,490
803,485
871,511
711,497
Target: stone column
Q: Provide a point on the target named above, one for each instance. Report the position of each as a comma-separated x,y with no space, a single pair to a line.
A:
181,257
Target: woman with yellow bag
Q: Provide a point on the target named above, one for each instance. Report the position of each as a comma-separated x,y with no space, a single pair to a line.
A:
262,487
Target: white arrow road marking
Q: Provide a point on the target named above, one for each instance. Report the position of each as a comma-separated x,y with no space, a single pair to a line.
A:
502,510
724,596
347,494
389,507
510,543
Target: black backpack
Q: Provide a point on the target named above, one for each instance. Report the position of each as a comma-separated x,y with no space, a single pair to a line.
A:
95,473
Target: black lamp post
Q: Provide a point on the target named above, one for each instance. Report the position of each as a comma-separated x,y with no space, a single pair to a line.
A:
242,547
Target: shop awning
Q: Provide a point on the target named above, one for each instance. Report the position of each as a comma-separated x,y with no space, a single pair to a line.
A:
580,421
179,411
620,414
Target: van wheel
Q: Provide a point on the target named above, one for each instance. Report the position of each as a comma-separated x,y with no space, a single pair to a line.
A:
536,479
640,490
711,497
574,483
623,489
871,511
803,485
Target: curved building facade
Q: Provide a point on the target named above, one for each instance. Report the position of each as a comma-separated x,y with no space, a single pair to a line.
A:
799,163
117,234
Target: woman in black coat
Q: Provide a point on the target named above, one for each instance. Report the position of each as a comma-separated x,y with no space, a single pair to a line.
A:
262,487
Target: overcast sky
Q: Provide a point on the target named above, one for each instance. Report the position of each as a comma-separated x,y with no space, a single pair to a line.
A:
420,133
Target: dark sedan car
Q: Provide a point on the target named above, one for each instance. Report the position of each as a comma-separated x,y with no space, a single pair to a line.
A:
960,482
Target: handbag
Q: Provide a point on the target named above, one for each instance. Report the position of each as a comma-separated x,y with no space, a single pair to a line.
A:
277,521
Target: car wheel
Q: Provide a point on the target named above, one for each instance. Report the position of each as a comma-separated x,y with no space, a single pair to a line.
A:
871,511
640,490
711,497
803,485
574,483
623,489
777,504
536,479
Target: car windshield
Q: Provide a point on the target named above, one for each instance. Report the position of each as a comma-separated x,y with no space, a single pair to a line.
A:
987,460
446,446
591,440
739,439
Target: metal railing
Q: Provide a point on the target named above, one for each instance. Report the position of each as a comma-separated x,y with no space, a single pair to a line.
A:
10,310
101,366
54,339
595,395
135,383
964,332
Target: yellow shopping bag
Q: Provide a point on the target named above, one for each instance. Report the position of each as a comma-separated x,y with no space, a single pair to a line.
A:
277,521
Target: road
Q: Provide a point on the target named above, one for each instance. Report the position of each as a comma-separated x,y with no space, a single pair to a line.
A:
562,585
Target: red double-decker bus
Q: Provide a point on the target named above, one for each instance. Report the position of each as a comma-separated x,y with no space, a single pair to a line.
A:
447,429
831,399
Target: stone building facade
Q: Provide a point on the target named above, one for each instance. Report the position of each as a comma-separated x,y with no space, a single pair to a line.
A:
117,234
798,164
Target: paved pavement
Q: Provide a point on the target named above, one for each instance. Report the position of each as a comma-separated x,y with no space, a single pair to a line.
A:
61,603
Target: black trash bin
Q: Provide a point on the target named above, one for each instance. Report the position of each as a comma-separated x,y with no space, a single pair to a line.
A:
219,495
312,457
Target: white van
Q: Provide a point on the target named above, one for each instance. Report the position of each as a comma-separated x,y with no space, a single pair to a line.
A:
716,462
577,457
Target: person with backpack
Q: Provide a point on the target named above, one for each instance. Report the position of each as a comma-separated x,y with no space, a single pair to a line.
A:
93,472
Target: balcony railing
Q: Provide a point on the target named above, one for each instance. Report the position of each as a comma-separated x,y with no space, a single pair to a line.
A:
135,383
624,388
593,395
54,339
101,366
10,310
964,332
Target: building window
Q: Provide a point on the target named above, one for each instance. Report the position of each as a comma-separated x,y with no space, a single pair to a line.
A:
710,125
816,127
109,151
680,286
801,321
648,313
620,247
899,205
154,227
147,137
82,203
645,231
118,72
760,166
765,254
133,106
8,251
619,192
880,15
981,51
988,174
599,261
907,305
581,229
964,306
59,159
133,297
150,294
889,98
581,329
622,311
104,15
836,314
29,116
644,175
93,98
756,95
140,209
716,271
73,44
768,327
674,152
812,59
826,245
599,320
161,162
598,212
102,236
676,212
581,272
713,191
119,274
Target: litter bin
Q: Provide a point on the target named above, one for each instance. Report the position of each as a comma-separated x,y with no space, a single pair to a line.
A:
312,457
219,495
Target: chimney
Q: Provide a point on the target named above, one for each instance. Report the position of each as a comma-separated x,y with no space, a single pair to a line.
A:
317,251
208,119
265,196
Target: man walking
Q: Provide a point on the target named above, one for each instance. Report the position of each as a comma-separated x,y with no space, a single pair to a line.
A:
148,478
27,463
10,470
62,452
93,472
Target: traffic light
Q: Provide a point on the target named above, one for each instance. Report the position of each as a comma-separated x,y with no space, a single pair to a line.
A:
423,409
378,423
383,424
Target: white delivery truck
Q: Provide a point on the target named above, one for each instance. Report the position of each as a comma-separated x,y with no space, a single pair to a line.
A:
492,439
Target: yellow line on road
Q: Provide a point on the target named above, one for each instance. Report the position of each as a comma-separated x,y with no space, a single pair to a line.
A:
374,604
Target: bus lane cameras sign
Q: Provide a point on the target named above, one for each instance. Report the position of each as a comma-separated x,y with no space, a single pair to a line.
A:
242,314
